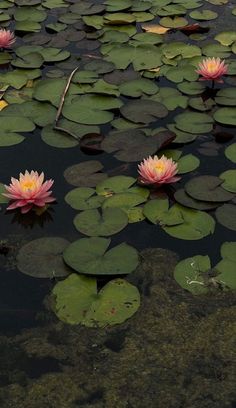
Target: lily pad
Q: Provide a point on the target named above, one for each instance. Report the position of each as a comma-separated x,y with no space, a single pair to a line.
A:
9,129
227,116
116,184
42,258
207,188
194,224
226,215
77,301
3,200
230,152
194,122
83,198
85,174
190,274
143,111
93,223
229,178
187,201
90,256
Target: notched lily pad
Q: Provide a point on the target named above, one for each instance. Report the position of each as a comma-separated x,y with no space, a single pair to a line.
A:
90,256
42,258
85,174
143,111
207,188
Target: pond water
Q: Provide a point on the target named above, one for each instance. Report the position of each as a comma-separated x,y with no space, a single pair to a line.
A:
163,334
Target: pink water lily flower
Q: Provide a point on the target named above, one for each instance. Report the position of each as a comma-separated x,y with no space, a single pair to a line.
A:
28,191
158,171
212,69
7,38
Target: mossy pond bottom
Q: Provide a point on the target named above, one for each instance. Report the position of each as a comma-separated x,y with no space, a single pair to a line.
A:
119,294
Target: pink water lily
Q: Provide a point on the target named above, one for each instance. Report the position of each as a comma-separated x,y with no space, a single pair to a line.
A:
212,69
28,191
158,171
7,38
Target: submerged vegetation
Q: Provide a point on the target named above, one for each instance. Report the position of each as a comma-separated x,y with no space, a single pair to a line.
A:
148,87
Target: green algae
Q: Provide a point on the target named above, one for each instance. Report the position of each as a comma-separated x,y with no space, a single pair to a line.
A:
177,352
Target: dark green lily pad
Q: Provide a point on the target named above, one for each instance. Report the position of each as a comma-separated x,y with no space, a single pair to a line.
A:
85,174
10,127
77,301
228,251
230,152
133,145
184,199
95,224
143,111
226,215
90,256
42,258
207,188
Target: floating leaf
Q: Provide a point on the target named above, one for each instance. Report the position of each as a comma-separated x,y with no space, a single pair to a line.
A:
90,256
227,116
3,199
207,188
155,209
42,258
116,184
194,225
93,223
77,301
194,122
143,111
190,273
184,199
188,163
85,174
229,178
230,152
226,215
83,198
228,251
203,15
8,136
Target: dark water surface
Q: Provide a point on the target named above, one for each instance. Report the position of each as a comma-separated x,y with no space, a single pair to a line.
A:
177,351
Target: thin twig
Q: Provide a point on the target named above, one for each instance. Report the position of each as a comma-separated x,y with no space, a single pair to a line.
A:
61,104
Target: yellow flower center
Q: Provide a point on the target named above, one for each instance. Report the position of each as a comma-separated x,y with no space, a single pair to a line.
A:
211,66
159,166
28,185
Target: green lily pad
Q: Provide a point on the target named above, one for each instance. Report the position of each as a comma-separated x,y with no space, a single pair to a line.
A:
226,97
90,256
116,184
188,163
125,201
143,111
31,60
228,251
85,174
190,274
229,178
138,87
155,209
184,199
40,113
42,258
216,50
77,301
194,122
194,225
227,116
203,15
91,109
207,188
226,37
3,200
173,22
9,129
83,198
93,223
226,215
230,152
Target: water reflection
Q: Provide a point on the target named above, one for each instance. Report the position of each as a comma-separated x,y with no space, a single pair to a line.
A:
32,218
